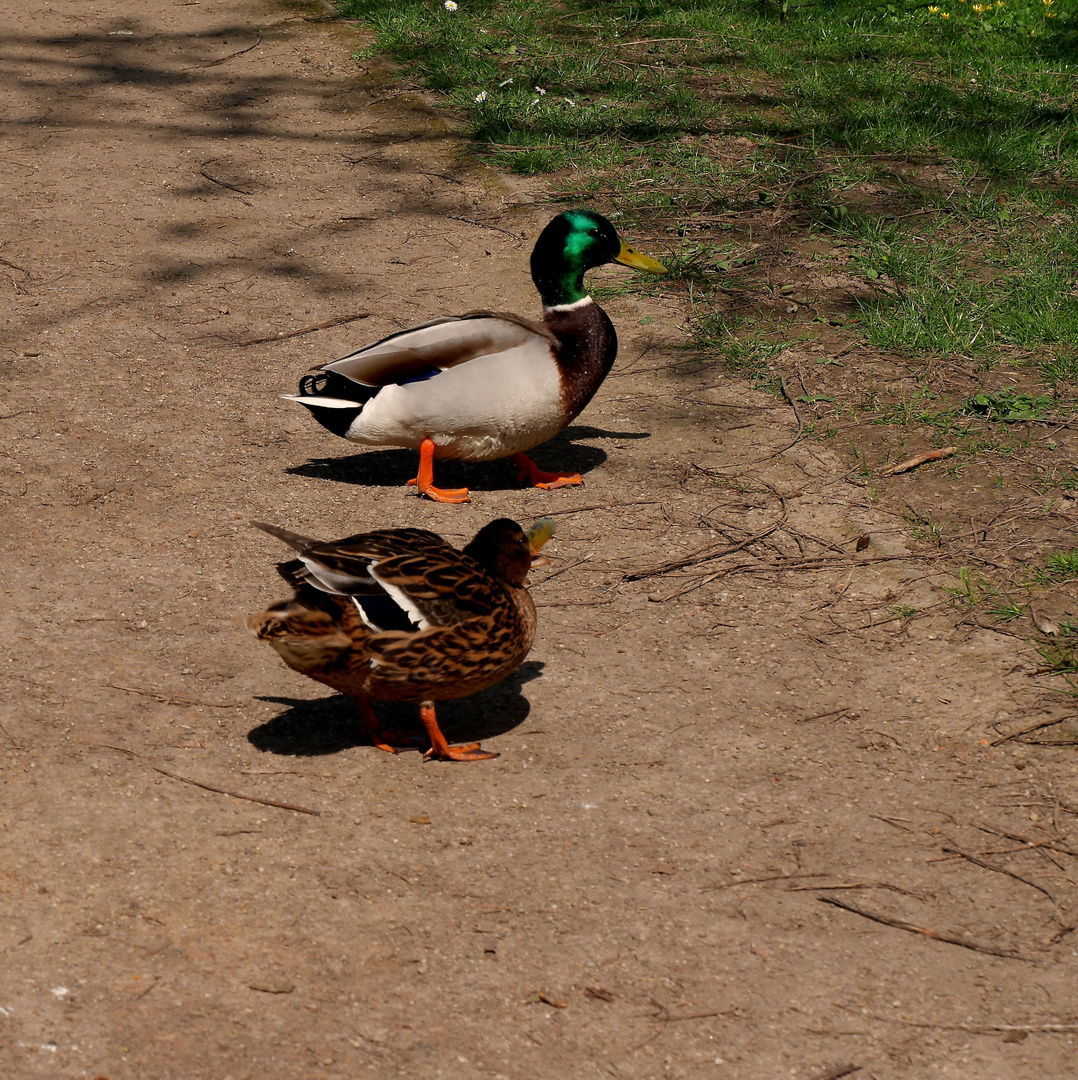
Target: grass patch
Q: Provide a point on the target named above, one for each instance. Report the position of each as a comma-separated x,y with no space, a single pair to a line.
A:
927,153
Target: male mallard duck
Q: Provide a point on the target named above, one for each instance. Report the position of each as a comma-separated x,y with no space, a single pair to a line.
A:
399,615
485,385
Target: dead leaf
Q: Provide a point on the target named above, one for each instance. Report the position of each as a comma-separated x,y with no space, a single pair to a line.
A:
1042,622
547,999
598,992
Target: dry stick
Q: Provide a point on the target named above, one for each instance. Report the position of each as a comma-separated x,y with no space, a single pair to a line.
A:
216,790
774,568
999,870
919,459
782,449
484,225
236,794
857,885
983,1029
823,715
573,603
281,335
901,924
601,506
758,881
709,551
165,699
1036,727
222,183
230,56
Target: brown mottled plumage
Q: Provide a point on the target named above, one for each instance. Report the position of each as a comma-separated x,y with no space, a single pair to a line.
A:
399,615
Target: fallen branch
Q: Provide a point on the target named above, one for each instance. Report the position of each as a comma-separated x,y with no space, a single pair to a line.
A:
711,551
282,335
919,459
484,225
216,790
782,449
759,881
221,183
999,870
981,1029
1030,730
230,56
165,699
901,924
236,794
817,563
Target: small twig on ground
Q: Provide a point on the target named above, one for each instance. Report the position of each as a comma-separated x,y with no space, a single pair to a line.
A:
901,924
758,881
823,715
166,699
282,335
484,225
210,787
782,449
895,822
711,551
222,183
790,566
856,885
230,56
1036,727
602,506
919,459
980,1029
573,603
999,870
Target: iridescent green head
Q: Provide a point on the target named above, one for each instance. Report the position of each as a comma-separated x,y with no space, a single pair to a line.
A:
573,243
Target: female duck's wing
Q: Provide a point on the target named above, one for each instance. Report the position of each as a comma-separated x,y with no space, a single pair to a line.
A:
399,579
423,351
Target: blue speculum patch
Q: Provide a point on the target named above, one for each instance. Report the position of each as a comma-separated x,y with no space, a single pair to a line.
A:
420,376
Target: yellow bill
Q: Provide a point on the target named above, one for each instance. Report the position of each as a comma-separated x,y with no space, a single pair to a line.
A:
540,533
638,261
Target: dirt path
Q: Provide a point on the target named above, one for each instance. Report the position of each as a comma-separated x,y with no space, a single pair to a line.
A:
633,890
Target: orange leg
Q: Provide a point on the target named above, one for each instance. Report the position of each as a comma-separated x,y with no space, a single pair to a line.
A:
424,482
440,749
372,727
535,476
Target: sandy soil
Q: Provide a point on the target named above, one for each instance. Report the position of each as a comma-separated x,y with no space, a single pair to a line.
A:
644,884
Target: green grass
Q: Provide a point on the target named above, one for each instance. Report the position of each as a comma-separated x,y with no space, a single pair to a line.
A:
715,122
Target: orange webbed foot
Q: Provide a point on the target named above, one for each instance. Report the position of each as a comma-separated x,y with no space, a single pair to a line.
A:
381,739
424,482
529,472
461,753
440,750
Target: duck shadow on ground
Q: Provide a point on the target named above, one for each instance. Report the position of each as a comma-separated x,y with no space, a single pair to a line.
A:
393,468
311,728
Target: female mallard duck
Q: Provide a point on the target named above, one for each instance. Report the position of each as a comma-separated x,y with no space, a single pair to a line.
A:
399,615
485,385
